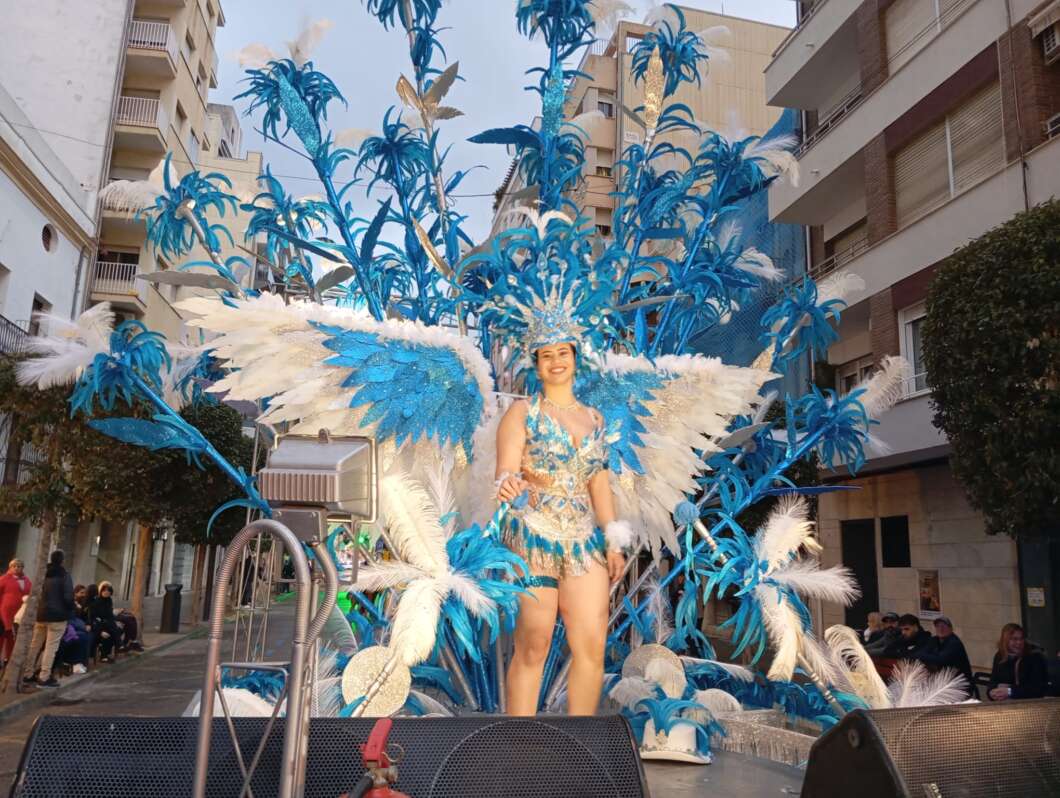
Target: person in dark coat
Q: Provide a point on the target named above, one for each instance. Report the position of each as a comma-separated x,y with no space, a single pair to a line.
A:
945,650
912,640
56,605
104,624
877,645
1019,672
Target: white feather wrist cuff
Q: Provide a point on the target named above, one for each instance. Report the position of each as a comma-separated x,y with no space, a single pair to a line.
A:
619,536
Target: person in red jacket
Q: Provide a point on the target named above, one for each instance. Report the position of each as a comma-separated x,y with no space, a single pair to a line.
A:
14,586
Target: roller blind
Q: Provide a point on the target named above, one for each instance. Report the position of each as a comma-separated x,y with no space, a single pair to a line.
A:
908,26
922,175
977,139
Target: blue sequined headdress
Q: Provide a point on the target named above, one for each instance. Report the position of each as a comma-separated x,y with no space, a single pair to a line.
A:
551,320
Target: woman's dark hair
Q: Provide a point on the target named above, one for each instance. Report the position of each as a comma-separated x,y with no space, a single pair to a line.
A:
57,557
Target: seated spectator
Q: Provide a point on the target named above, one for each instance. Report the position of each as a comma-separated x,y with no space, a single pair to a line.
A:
1019,672
878,646
104,624
873,629
75,649
130,630
945,650
911,640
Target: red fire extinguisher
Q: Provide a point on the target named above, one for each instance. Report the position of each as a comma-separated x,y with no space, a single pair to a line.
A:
380,766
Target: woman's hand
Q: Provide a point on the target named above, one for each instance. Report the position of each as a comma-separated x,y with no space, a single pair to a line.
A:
616,564
511,487
1000,693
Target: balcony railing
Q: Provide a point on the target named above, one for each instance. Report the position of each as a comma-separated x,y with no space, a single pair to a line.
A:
147,35
799,25
142,112
831,119
12,337
839,259
115,278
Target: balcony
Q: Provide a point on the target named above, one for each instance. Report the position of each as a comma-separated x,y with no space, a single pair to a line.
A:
12,337
116,283
141,124
152,50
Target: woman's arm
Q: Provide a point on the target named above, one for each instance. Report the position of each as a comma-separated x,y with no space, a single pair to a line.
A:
617,532
511,440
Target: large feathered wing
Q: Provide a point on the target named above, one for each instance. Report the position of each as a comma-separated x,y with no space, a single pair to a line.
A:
661,417
323,367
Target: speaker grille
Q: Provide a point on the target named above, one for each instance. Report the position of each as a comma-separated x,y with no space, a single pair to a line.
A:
444,757
1010,749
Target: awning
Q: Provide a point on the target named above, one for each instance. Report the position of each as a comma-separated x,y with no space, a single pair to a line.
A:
1045,18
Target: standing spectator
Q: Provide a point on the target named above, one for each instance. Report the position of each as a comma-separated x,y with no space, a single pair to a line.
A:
14,587
1019,672
874,629
945,650
104,624
877,647
912,639
56,607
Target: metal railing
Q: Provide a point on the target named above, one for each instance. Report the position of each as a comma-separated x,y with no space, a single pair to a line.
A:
147,35
12,337
115,278
142,112
832,119
839,259
799,26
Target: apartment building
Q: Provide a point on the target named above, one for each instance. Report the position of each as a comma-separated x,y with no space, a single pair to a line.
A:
927,123
731,100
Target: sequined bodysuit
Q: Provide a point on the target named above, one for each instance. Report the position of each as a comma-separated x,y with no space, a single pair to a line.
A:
556,531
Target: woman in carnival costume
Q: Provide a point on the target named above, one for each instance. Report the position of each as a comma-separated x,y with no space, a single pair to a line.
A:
554,449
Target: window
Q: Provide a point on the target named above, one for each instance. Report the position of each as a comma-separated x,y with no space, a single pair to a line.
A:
200,86
910,24
223,150
607,107
603,230
966,147
851,374
48,238
894,541
603,171
40,306
604,160
182,118
911,321
193,146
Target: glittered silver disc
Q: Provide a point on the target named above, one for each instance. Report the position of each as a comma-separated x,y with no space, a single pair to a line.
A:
362,671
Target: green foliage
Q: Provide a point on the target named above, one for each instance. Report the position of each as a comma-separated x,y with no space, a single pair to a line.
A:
82,473
992,350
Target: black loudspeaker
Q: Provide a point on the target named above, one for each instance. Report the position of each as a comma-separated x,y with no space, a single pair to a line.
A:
469,757
967,750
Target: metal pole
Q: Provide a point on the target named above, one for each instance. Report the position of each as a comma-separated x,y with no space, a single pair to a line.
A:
292,731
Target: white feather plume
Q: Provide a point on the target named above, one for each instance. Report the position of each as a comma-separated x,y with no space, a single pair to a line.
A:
842,285
786,529
731,668
469,594
784,627
718,702
607,13
416,620
777,156
301,48
912,685
669,677
441,490
836,584
129,196
885,387
857,666
386,574
631,689
659,607
352,137
67,348
413,523
254,56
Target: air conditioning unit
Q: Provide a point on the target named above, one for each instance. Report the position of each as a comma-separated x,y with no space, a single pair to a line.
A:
1052,126
1051,43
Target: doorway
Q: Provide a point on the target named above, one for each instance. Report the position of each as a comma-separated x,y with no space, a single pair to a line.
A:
859,555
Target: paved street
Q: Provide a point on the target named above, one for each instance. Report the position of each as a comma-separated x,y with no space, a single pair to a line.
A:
163,683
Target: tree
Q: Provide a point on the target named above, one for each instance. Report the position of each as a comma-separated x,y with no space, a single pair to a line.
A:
992,350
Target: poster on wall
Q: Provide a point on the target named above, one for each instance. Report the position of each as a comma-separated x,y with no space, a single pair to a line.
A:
929,600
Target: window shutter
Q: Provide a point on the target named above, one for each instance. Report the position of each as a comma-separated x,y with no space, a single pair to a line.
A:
908,26
977,139
921,175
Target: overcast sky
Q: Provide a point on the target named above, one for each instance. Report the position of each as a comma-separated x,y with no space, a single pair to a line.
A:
365,61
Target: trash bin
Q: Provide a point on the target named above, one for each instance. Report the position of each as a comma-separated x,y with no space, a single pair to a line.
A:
171,610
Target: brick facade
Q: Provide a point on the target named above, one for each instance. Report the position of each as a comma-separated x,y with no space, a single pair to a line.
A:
881,213
1026,79
872,46
883,324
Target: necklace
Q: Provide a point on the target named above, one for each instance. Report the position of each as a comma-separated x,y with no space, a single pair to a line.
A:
558,406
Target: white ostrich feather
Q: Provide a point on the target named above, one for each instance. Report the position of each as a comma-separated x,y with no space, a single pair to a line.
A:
413,523
537,219
857,666
352,137
416,621
386,574
884,388
607,13
129,196
255,55
631,689
718,702
731,668
68,347
670,678
806,577
758,263
301,49
442,493
784,628
585,125
432,706
468,593
717,41
842,285
912,685
659,607
819,657
786,529
777,156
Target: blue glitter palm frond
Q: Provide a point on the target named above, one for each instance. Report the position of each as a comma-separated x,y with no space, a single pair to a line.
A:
681,51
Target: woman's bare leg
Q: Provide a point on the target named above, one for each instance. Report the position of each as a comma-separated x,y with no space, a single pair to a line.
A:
583,603
533,637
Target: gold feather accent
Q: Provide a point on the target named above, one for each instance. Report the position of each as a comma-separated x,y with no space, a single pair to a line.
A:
408,94
654,83
432,254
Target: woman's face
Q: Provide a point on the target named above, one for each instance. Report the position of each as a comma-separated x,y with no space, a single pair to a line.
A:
105,592
555,364
16,567
79,595
1015,643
